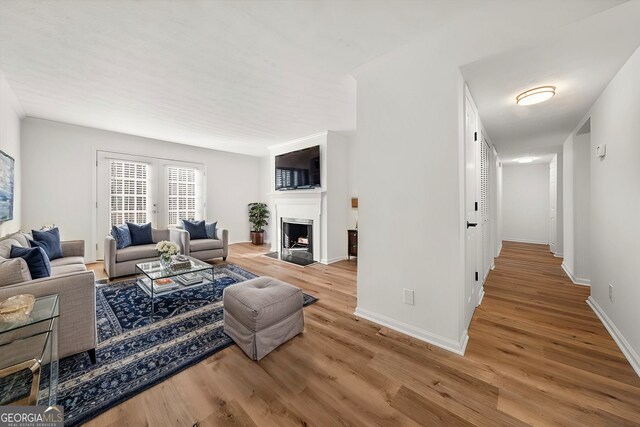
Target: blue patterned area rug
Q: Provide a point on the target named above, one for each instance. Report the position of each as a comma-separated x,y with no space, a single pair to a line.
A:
134,353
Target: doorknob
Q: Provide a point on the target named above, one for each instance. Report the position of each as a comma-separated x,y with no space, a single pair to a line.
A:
471,224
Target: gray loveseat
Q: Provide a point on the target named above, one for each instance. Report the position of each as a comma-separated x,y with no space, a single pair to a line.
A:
122,262
69,279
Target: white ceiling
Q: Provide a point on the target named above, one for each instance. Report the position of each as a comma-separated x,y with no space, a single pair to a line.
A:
234,75
579,59
243,75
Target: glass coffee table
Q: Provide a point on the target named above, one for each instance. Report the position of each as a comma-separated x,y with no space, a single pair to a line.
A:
157,279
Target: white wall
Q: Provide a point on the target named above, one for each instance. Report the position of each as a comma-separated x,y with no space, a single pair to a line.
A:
338,196
10,115
577,207
59,178
582,206
615,203
568,240
409,185
525,206
553,204
353,178
560,206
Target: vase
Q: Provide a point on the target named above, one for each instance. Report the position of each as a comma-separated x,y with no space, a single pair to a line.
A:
165,260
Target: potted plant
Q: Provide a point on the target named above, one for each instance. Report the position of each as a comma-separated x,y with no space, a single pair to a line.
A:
258,215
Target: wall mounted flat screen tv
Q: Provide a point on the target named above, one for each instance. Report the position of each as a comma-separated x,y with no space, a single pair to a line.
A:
298,169
6,187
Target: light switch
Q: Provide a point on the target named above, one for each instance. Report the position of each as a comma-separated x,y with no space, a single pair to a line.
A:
601,151
408,296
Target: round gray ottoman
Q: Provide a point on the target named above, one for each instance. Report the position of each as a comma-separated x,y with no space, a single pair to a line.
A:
262,313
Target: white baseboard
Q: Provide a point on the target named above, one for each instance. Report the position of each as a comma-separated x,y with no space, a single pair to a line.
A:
481,296
558,255
617,336
404,328
242,241
535,242
499,250
574,279
336,259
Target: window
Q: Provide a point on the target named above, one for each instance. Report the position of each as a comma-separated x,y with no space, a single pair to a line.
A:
128,183
184,201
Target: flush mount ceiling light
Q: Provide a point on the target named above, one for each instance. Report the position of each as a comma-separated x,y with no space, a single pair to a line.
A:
535,95
526,159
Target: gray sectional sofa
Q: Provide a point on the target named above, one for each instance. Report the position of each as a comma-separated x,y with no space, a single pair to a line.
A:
69,279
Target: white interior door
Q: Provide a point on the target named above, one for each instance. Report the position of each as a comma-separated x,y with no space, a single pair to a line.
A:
471,208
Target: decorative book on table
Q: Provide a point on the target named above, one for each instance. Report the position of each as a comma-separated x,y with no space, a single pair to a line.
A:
159,285
189,279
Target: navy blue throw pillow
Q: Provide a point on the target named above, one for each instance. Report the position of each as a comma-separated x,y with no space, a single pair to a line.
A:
196,229
36,258
48,240
140,233
122,236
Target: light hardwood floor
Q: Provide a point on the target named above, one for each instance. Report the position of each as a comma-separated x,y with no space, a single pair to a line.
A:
537,355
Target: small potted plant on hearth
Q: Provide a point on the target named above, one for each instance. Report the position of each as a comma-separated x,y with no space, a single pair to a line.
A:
258,215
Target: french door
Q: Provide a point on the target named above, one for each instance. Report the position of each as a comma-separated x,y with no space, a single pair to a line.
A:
144,189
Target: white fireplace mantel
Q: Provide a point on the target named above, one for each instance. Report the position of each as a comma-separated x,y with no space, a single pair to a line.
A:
304,205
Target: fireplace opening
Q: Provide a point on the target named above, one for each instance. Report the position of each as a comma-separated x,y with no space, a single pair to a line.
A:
296,241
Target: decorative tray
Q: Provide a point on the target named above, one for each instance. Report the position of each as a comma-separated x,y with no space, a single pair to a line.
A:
16,308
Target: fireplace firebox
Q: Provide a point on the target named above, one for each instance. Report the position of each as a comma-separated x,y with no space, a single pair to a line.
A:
296,241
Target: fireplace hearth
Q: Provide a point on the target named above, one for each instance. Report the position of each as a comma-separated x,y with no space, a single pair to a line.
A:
296,242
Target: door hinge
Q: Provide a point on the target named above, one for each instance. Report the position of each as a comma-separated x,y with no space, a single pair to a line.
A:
96,246
476,276
96,205
476,206
475,136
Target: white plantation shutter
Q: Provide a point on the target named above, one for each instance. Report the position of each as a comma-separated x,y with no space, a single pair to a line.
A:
184,194
128,192
484,180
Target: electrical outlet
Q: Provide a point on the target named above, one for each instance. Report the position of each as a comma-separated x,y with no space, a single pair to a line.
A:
610,291
408,296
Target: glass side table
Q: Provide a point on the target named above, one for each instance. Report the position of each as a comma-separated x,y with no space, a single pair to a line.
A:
30,345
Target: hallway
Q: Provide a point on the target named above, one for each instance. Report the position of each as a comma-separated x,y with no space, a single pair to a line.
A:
547,346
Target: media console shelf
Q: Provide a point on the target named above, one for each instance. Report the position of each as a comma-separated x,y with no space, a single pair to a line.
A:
352,250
